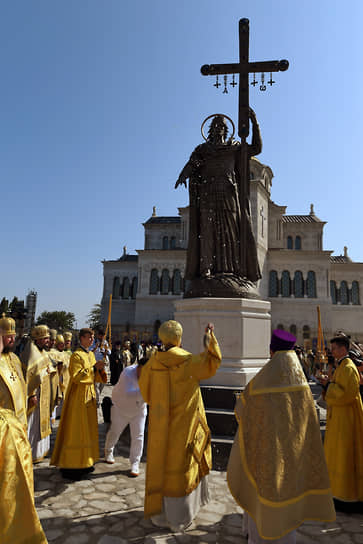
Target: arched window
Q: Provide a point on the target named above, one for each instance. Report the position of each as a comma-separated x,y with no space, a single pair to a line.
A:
165,242
273,288
333,292
177,282
293,329
116,288
172,242
126,288
311,284
344,295
134,287
285,284
298,284
154,282
280,326
164,286
306,331
355,293
298,242
156,327
289,242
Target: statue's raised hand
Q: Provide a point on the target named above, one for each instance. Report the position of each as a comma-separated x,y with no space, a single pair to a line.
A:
252,115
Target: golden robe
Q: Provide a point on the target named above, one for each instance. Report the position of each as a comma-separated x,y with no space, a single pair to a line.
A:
19,521
38,370
64,373
179,442
76,444
277,470
343,442
13,394
54,357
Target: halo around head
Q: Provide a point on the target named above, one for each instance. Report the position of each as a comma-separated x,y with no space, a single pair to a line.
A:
170,332
217,115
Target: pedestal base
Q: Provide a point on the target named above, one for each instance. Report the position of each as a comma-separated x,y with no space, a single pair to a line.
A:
242,327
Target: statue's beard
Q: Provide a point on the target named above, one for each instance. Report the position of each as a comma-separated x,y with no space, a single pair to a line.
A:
8,349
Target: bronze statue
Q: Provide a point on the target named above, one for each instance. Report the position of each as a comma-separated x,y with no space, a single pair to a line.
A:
221,258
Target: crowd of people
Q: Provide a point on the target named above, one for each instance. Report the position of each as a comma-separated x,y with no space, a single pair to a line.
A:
278,470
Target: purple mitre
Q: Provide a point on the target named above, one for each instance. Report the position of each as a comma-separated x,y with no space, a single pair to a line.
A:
282,340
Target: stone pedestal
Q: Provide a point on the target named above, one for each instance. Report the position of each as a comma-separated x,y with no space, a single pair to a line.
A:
242,327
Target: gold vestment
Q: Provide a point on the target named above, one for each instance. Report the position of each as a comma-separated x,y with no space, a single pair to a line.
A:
38,369
179,442
277,470
12,386
19,521
76,444
343,442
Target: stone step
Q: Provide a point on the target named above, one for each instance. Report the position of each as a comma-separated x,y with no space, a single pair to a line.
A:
221,422
219,396
221,447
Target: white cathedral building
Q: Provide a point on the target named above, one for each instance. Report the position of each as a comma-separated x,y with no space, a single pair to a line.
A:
298,275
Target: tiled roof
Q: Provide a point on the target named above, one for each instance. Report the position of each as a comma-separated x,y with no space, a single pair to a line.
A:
340,259
129,258
300,219
163,220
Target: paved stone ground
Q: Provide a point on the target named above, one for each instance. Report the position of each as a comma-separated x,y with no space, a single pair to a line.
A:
107,508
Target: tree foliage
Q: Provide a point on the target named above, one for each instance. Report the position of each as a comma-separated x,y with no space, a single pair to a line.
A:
94,317
60,320
4,306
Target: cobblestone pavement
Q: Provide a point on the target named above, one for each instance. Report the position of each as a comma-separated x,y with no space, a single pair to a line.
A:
107,508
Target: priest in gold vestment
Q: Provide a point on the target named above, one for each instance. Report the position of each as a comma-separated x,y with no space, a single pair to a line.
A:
76,448
343,442
277,471
62,359
179,442
19,521
13,394
38,369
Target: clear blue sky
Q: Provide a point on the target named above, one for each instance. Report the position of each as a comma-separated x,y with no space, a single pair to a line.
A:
101,106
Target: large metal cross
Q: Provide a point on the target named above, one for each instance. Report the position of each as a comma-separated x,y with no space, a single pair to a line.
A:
244,68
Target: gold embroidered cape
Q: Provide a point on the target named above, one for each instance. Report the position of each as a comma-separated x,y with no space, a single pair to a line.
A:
64,373
179,449
343,442
19,521
277,470
76,444
12,386
38,368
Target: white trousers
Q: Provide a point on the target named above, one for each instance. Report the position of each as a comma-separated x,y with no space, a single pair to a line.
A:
119,422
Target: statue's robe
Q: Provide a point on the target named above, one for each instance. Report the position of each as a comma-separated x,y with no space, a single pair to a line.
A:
277,471
19,521
218,222
38,369
13,392
343,441
76,445
179,441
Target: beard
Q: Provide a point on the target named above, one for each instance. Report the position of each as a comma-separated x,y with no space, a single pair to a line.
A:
8,349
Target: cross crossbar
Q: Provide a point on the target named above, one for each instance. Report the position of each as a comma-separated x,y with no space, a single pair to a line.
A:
248,68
